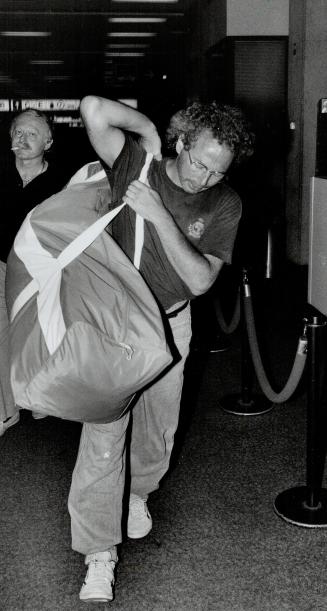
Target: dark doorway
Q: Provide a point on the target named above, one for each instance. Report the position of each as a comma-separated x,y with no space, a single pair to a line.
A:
251,72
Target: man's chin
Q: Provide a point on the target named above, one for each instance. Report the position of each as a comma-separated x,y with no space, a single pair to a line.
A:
189,188
198,189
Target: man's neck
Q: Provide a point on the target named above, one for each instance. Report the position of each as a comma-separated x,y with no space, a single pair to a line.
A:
171,169
29,165
29,169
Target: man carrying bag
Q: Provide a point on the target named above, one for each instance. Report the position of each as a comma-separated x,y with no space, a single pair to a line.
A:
190,222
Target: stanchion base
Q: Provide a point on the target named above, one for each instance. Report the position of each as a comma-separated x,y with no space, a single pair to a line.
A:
291,505
233,404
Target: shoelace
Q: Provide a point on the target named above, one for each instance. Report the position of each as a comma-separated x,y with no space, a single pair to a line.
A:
101,569
139,507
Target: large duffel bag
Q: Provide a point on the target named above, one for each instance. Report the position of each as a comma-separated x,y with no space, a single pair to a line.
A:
86,333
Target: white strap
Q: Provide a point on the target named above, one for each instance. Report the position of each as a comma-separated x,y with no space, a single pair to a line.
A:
139,240
77,246
83,241
139,222
81,176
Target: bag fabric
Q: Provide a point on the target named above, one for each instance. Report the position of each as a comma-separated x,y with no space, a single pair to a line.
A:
86,333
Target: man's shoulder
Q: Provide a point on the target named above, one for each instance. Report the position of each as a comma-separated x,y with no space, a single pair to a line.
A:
228,191
228,198
221,204
220,195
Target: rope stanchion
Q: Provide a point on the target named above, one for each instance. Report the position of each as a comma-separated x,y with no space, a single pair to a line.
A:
298,365
246,403
307,505
228,329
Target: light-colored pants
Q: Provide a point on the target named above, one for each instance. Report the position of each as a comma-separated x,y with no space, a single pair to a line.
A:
7,403
98,481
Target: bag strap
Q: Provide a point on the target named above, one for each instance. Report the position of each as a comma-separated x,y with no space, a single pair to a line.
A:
139,221
77,246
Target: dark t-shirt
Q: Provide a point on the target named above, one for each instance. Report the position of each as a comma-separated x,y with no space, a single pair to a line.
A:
208,220
16,201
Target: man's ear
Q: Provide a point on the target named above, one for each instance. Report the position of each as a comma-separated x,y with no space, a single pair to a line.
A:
179,145
48,144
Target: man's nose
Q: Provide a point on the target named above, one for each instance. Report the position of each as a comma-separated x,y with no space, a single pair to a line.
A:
204,178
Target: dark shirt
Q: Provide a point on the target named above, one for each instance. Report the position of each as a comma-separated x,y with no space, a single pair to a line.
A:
209,220
16,201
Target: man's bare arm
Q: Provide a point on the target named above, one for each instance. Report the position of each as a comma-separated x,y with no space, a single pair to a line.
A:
197,270
105,121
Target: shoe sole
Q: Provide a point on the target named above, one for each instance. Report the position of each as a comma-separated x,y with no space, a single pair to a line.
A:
138,535
96,599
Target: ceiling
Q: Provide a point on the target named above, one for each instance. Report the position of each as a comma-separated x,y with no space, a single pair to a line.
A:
67,48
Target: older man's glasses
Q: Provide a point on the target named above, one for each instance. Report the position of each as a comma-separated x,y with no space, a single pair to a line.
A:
200,167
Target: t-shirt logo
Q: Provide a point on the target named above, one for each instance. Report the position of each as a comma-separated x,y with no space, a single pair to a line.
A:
196,229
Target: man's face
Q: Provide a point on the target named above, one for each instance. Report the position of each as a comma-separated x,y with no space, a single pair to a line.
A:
204,164
30,137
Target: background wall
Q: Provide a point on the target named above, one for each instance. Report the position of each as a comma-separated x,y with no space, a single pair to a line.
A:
257,17
212,20
207,26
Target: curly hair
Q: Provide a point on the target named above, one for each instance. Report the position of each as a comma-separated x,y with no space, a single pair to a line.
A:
227,124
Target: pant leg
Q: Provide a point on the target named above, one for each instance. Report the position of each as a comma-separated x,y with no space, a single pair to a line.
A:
155,417
96,493
7,403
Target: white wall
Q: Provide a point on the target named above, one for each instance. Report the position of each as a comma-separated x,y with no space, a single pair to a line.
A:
257,17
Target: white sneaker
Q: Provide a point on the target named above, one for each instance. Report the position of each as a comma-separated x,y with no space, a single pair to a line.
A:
139,522
99,580
6,424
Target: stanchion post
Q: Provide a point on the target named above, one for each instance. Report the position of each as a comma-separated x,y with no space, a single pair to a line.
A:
246,403
247,369
307,505
314,472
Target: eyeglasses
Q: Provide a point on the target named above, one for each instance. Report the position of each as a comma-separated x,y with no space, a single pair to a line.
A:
29,133
200,167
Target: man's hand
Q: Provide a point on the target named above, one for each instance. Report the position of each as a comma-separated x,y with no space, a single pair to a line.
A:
146,202
152,144
198,271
